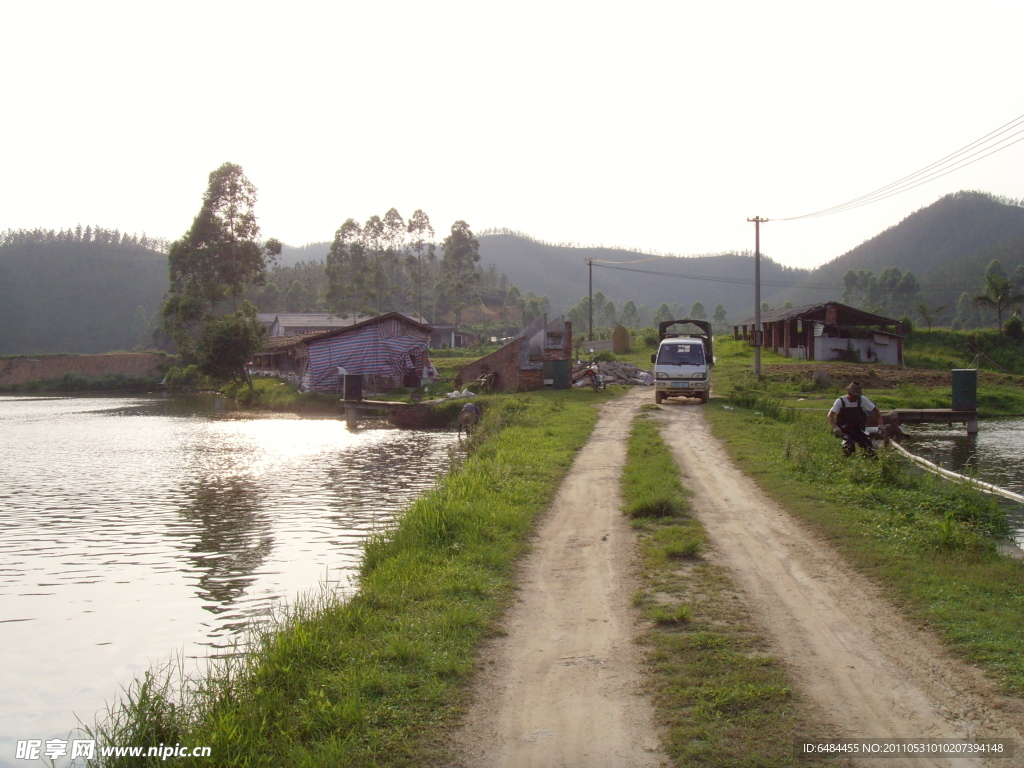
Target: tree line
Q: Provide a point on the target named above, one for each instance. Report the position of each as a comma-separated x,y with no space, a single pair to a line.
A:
900,295
98,235
633,316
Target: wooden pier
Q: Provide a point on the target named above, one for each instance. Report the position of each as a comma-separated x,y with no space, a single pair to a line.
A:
936,416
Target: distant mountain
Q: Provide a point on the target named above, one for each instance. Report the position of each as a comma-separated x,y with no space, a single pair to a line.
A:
560,273
292,254
930,241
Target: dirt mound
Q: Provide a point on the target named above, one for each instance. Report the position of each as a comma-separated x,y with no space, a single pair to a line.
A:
138,365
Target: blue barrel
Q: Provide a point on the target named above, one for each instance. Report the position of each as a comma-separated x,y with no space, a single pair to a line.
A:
965,389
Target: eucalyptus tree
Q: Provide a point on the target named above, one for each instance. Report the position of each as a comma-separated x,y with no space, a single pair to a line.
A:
664,313
609,317
374,242
215,260
346,268
630,316
460,254
719,319
394,242
514,300
697,311
422,255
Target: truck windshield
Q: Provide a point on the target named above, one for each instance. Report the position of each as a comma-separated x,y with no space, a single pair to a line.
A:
681,354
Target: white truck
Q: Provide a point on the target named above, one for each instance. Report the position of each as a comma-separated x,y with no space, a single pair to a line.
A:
682,365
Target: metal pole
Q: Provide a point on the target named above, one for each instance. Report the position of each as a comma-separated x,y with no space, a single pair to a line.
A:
757,294
590,303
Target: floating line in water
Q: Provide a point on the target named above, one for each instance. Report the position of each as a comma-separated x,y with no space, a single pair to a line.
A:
949,475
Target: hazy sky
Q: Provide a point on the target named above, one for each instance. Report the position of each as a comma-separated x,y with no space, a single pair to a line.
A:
662,126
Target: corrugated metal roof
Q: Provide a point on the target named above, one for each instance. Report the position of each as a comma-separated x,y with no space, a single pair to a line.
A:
775,315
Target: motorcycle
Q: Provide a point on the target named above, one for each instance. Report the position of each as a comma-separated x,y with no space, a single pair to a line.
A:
592,377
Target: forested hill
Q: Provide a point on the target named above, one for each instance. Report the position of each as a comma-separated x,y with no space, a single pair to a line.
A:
930,240
60,292
560,272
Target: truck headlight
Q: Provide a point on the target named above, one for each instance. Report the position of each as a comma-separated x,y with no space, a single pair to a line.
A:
698,375
661,375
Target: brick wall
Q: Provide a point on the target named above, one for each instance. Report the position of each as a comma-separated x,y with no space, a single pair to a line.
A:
504,362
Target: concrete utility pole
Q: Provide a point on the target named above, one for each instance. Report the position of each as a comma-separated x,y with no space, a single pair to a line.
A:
590,303
757,293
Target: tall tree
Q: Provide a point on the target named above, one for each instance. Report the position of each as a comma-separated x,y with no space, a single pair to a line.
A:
373,240
394,235
422,255
965,316
663,314
630,316
217,258
460,254
720,320
697,311
346,270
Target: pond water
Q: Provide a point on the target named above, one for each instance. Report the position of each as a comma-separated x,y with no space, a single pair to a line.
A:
136,529
994,455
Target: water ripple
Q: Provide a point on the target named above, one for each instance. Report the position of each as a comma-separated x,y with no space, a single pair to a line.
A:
138,527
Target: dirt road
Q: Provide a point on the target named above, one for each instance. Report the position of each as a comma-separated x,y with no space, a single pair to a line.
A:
855,655
564,687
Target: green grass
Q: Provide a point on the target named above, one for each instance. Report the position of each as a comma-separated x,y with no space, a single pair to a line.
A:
375,680
930,543
720,697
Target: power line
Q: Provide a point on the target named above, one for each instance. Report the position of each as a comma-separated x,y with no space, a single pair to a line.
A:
743,281
983,147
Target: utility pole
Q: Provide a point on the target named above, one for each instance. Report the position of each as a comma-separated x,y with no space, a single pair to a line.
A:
590,303
757,293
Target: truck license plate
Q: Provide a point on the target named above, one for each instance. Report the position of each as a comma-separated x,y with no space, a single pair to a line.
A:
680,383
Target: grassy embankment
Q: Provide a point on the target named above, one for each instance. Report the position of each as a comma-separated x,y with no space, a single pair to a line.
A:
375,679
720,697
925,383
929,542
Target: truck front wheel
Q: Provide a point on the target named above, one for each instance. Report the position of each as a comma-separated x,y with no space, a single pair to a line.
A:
658,397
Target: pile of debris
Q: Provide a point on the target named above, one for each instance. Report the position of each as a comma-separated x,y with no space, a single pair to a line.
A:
615,372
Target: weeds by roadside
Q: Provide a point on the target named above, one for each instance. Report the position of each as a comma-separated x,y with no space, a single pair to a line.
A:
721,698
930,543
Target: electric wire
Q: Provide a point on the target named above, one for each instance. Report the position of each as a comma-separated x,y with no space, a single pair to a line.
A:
951,162
745,281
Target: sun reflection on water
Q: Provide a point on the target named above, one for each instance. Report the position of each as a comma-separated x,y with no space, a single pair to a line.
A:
140,527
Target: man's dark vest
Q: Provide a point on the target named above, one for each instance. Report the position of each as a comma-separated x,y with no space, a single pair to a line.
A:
851,415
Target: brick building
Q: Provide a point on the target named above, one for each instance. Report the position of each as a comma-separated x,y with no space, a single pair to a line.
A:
540,356
828,331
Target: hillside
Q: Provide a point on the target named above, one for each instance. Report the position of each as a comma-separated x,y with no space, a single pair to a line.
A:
560,272
931,240
65,295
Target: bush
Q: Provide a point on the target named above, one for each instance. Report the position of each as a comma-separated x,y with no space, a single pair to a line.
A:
1014,328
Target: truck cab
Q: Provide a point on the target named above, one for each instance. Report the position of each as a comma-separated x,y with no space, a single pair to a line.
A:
683,362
